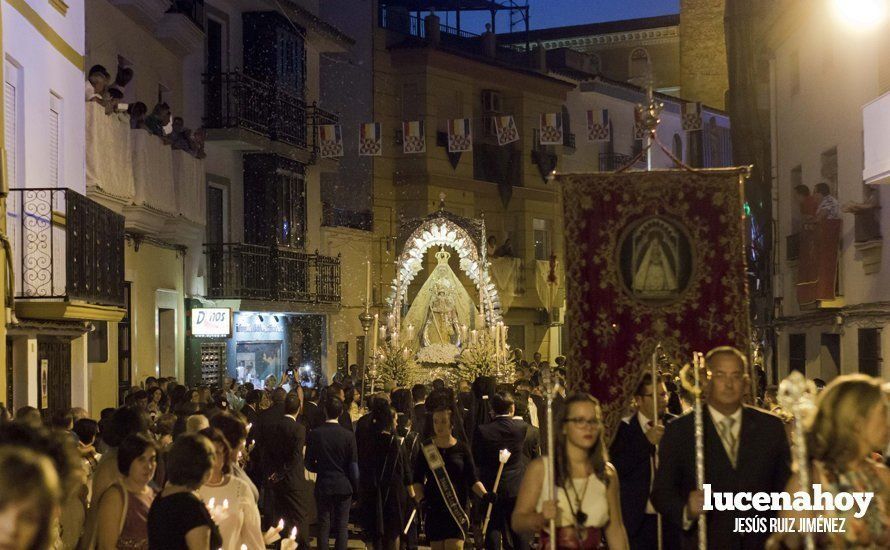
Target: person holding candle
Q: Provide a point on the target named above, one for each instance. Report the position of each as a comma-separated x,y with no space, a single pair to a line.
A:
240,524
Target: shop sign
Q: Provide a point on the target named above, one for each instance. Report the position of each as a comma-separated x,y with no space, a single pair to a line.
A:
215,321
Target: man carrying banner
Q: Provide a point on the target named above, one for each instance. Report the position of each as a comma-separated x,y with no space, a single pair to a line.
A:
633,455
745,449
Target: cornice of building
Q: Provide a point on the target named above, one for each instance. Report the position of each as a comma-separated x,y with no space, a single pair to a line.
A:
663,35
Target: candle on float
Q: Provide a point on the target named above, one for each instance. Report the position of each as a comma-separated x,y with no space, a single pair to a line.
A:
473,334
405,353
410,334
374,333
480,320
368,287
463,333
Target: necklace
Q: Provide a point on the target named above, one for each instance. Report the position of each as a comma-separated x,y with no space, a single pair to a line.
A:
577,511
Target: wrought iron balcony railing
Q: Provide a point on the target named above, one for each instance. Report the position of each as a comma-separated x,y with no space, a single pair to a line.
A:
277,273
343,217
613,161
235,100
316,117
65,247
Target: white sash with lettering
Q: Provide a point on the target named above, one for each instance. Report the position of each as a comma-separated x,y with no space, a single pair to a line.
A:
449,495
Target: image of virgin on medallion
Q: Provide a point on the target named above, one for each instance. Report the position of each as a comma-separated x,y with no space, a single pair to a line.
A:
655,260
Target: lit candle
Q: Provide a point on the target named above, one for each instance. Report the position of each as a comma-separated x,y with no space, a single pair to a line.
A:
480,320
368,287
405,353
374,333
473,334
410,332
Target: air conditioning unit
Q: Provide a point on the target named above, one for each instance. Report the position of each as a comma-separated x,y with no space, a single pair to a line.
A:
492,102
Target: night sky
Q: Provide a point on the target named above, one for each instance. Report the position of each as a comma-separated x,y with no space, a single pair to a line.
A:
557,13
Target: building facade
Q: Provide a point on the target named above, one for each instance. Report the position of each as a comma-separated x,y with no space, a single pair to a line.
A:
67,249
818,62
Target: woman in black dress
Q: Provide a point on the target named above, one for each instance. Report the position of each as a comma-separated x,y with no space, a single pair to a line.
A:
443,532
178,520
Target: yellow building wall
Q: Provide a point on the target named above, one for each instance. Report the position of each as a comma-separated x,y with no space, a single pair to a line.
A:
435,85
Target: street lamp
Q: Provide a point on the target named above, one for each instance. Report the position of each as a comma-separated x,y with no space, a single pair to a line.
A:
860,14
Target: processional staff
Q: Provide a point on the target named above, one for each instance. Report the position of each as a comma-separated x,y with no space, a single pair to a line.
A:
694,387
796,395
550,463
656,391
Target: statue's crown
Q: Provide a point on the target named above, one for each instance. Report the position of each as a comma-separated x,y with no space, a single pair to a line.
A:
442,256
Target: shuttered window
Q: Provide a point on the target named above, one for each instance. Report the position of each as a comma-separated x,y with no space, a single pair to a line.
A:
11,129
55,138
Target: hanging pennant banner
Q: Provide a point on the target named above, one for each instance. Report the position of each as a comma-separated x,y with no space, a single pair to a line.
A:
370,142
599,129
505,127
550,132
330,141
692,117
460,135
413,137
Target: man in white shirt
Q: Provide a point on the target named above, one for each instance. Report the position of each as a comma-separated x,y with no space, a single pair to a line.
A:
746,450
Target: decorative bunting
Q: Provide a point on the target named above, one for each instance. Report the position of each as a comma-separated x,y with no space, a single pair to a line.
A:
599,129
413,137
330,141
505,127
370,140
692,117
550,132
460,135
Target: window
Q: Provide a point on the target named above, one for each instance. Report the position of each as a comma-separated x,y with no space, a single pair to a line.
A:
639,67
829,169
870,351
97,343
124,357
14,128
541,229
797,353
678,147
829,355
794,71
217,213
55,141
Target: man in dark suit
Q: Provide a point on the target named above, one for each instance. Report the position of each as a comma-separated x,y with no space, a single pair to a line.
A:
262,436
251,403
531,447
633,455
312,416
503,432
291,496
746,449
418,394
331,454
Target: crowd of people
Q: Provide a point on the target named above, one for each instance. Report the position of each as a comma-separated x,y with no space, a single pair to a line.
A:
237,467
109,93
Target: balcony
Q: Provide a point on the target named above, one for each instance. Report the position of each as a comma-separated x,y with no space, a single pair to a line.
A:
68,254
613,161
160,190
241,271
246,114
343,217
867,238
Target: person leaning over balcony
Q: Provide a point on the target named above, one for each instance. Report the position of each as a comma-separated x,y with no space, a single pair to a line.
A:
158,119
872,201
180,137
829,209
138,112
97,84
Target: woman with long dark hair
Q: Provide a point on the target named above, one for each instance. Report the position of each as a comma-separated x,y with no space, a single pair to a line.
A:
587,506
445,472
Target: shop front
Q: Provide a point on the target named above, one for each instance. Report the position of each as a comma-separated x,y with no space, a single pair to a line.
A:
253,346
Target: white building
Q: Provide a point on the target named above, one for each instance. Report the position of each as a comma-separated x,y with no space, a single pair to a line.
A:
822,75
67,250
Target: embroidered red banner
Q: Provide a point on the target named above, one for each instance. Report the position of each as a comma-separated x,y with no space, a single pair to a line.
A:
651,257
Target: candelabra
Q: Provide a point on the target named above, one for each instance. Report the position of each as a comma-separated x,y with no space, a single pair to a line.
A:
365,318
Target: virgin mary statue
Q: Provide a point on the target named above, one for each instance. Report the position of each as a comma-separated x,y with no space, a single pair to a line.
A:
442,306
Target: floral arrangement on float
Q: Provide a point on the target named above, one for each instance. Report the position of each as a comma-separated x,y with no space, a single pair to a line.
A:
487,354
395,358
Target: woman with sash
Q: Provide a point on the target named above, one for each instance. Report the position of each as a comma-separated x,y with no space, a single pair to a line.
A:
444,475
587,509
